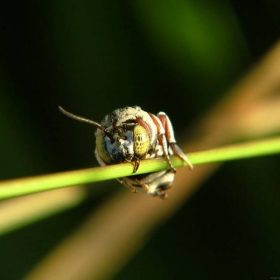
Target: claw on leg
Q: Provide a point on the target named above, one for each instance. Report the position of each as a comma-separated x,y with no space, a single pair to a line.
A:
178,152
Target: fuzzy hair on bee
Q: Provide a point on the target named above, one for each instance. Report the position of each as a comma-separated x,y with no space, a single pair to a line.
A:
130,134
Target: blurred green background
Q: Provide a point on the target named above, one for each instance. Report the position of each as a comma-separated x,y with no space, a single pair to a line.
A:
178,56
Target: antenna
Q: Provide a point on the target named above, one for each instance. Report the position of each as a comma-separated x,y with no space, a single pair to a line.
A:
81,119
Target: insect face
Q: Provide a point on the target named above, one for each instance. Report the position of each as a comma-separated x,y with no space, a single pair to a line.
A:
117,149
133,136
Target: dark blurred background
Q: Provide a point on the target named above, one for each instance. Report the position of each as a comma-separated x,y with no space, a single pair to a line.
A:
180,57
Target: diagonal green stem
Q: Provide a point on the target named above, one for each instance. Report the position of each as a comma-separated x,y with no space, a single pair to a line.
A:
17,187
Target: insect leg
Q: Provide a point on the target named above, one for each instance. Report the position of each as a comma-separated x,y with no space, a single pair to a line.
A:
169,132
125,183
162,139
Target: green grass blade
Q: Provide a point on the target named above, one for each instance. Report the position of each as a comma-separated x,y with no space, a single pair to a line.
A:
17,187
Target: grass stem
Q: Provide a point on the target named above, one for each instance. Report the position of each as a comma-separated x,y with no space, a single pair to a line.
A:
24,186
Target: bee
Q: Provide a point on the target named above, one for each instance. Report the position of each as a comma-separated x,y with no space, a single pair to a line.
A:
130,134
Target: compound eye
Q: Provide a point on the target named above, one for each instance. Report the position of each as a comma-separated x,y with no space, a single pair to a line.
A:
101,148
141,140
